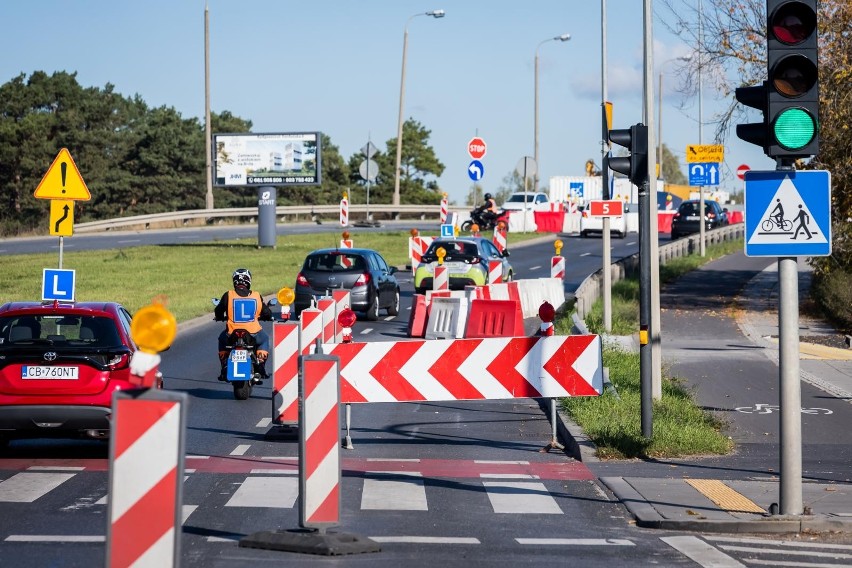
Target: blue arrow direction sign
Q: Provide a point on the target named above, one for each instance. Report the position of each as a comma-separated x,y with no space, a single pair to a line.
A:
787,213
476,170
57,284
704,173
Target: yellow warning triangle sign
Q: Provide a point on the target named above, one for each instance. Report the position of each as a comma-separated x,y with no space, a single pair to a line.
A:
63,180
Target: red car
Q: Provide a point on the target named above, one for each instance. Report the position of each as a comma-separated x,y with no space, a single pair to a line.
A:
59,365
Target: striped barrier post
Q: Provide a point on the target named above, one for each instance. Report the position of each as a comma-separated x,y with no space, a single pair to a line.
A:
344,211
441,280
326,305
444,209
557,267
495,271
285,376
310,329
341,301
146,467
500,239
319,446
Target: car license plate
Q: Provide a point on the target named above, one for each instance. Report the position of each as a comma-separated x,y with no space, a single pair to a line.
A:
45,372
455,266
239,355
692,217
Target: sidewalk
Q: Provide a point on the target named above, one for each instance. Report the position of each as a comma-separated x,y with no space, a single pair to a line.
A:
742,502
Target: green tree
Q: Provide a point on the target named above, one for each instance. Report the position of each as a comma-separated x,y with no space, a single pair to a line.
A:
671,168
417,164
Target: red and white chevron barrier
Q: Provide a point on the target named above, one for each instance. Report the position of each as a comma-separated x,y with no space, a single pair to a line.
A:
416,247
557,267
319,442
495,271
470,369
346,243
500,239
146,479
344,212
285,375
444,209
310,329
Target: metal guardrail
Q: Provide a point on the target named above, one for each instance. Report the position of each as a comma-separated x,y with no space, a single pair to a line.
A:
179,218
590,289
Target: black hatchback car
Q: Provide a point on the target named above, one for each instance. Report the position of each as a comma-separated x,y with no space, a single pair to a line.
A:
687,220
364,272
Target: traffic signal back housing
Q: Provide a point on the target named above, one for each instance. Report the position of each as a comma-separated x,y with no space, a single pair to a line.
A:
634,166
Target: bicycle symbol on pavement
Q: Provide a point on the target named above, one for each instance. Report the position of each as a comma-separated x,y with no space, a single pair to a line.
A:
762,408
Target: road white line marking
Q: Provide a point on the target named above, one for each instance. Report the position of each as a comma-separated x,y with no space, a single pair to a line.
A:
268,492
597,489
279,457
27,487
586,254
535,267
746,540
264,422
55,468
508,462
366,331
240,450
631,243
394,494
701,553
186,511
415,460
734,548
223,539
389,318
521,498
53,538
576,541
276,471
426,539
129,241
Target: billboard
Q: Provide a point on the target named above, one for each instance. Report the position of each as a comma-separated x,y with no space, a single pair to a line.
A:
291,158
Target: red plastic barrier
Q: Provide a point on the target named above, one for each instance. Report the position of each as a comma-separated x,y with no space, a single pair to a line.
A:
664,221
549,221
735,217
419,317
494,318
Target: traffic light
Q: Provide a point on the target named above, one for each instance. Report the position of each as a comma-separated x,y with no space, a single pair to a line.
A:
634,166
755,132
793,84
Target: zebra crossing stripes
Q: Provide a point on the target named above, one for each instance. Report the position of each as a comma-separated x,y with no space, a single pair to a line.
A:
26,487
392,492
521,497
275,492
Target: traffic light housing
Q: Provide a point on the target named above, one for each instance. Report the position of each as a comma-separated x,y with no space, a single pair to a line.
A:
793,83
789,98
634,166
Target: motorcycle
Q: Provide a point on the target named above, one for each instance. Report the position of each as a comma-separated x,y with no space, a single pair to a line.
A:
242,368
477,217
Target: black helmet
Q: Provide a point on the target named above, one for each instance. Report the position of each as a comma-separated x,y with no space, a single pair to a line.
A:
487,196
242,277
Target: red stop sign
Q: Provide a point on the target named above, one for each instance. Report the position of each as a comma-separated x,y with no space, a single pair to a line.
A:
742,170
476,148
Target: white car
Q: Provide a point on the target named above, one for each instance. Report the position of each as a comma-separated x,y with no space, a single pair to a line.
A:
529,200
594,225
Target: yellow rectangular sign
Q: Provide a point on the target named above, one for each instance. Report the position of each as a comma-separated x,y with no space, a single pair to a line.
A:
704,153
61,217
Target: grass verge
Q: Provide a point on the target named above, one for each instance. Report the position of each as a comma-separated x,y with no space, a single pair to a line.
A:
680,427
188,275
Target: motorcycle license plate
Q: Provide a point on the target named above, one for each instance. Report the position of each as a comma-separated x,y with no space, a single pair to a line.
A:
239,355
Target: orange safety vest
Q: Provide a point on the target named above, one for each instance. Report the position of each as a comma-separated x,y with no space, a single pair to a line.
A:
241,308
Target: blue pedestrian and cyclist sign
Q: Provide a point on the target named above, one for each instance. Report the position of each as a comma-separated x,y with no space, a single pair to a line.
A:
787,213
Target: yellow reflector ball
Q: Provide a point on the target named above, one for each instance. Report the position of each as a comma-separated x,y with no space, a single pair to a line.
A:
286,296
153,328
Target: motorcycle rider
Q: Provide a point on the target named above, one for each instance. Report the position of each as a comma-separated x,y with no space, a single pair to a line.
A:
489,210
243,308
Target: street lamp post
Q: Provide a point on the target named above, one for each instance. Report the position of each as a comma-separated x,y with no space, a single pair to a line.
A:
563,37
434,14
208,166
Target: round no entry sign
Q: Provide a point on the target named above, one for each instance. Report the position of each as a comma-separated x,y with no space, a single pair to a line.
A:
476,148
742,170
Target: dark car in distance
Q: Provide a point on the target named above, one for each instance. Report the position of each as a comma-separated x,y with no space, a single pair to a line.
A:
60,364
687,220
371,282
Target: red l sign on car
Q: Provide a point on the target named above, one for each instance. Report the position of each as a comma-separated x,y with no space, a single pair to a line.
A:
476,148
606,208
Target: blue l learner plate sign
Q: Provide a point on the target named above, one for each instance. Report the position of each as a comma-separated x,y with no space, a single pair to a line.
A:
787,213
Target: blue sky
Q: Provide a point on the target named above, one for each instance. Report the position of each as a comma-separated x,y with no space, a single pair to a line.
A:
334,66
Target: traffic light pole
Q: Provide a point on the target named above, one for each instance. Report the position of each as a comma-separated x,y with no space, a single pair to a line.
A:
645,360
791,395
